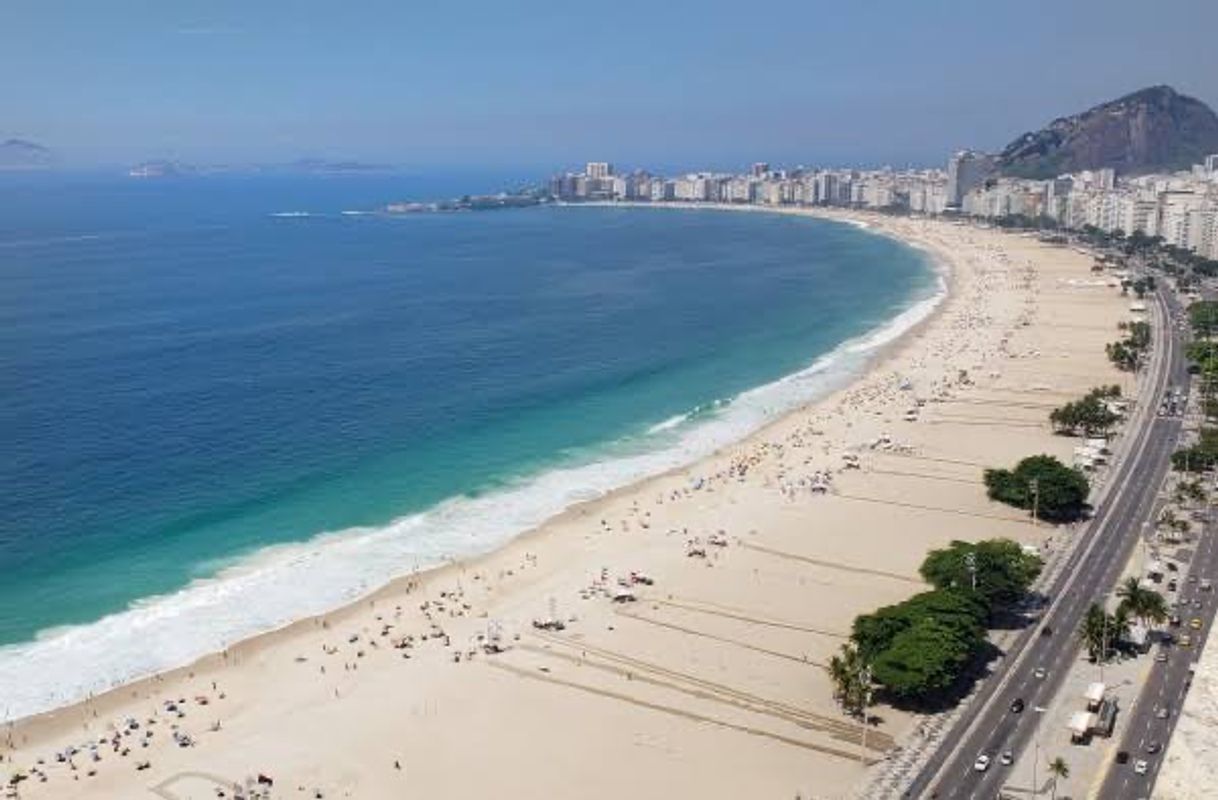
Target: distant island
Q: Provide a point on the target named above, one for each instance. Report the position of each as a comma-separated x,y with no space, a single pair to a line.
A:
476,202
22,154
166,168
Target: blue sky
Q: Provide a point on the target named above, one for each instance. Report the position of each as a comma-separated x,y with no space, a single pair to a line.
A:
512,83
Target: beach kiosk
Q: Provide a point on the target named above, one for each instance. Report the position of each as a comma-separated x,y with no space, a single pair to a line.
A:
1094,695
1080,726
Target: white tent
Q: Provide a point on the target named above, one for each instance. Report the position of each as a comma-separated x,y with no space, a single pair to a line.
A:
1095,693
1080,724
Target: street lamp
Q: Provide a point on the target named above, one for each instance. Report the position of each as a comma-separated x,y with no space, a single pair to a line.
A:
865,676
1034,485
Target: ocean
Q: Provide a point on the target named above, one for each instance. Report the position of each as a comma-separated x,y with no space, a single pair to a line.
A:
229,404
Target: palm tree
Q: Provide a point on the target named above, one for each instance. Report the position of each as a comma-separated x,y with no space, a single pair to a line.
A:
1094,632
1058,768
1137,601
1118,626
851,682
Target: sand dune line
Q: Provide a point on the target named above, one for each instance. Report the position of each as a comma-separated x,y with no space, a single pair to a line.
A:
924,475
833,564
720,693
1029,405
938,460
833,751
987,423
725,639
645,666
918,507
732,614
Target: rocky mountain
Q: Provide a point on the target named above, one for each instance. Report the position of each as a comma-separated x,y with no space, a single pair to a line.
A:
1152,130
22,154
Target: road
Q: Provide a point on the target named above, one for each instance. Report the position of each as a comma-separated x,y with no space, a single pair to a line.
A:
1169,682
1090,573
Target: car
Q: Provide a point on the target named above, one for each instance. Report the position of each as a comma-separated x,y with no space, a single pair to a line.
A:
1163,713
1172,566
1017,706
1173,585
1195,623
1174,620
1039,672
1196,604
1161,656
1192,578
1140,766
1152,748
1122,757
982,763
1185,640
1007,758
1046,631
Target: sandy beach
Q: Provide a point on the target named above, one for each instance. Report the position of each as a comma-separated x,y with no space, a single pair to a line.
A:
700,677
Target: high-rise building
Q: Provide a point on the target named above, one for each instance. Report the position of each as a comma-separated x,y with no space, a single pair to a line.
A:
966,171
759,169
599,170
1211,164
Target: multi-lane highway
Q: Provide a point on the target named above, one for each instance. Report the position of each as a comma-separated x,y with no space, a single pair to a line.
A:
1153,719
1035,666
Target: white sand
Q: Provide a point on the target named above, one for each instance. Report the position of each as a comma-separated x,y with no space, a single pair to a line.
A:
710,684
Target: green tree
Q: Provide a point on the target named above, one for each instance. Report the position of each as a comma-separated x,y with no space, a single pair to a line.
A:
1091,415
851,680
1060,492
999,568
920,647
1203,315
1141,603
1100,631
874,633
925,660
1200,457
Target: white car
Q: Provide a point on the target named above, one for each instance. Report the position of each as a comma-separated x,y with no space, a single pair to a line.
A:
1140,766
1039,672
982,763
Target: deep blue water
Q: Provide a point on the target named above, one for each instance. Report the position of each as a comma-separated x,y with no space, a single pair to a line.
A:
188,379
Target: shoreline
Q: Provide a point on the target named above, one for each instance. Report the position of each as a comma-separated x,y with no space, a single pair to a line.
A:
725,643
924,309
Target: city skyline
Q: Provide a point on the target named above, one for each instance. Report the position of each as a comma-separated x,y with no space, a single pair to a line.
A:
674,87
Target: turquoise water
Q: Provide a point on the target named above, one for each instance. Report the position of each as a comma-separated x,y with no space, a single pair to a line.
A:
191,380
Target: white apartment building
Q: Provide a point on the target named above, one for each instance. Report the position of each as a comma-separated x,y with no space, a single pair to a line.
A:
598,169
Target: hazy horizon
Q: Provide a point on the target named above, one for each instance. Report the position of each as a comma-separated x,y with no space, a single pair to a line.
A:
543,86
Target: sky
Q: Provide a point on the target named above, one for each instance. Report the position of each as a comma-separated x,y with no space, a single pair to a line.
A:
521,84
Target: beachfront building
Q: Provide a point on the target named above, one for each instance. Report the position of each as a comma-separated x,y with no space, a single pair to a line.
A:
1181,207
966,170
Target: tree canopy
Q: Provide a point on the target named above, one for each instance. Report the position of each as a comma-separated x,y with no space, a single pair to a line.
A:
1100,631
1060,492
919,648
1003,571
1127,354
1090,415
1198,457
1203,315
875,632
1141,603
925,659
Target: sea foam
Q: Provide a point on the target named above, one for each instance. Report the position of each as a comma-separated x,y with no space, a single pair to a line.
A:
276,585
